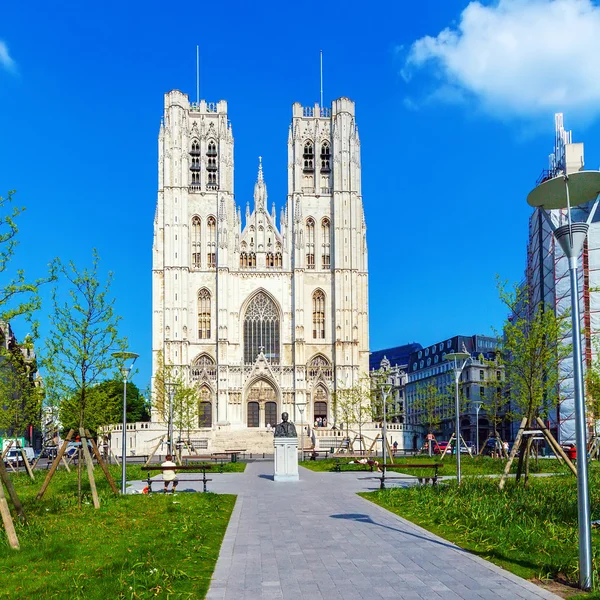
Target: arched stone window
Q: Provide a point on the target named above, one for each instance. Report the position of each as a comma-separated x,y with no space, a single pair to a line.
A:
196,240
319,366
195,164
310,243
204,366
203,314
252,260
325,158
243,260
309,156
261,329
211,165
278,260
319,315
325,240
211,247
205,408
270,260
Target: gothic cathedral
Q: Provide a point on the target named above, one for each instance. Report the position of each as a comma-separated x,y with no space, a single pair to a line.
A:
262,315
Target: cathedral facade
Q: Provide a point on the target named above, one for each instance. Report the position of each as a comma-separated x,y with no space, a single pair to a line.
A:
261,314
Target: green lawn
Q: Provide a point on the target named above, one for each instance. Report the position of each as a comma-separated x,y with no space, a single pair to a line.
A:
481,465
138,546
531,532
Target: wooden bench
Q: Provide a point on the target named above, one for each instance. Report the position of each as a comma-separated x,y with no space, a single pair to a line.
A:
401,467
313,452
234,453
361,466
204,480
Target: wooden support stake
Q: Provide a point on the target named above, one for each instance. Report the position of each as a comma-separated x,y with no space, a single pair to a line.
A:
513,453
90,467
162,437
102,464
448,446
7,449
555,445
26,462
67,467
12,492
114,456
54,466
9,526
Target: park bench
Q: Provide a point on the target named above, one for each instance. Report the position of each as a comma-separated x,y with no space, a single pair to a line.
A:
312,452
188,468
194,460
422,480
235,454
357,466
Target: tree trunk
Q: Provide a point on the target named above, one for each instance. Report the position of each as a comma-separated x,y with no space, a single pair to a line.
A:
527,456
79,477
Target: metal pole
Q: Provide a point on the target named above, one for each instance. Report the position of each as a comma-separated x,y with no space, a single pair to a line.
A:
302,433
124,444
170,444
583,493
477,408
457,423
384,429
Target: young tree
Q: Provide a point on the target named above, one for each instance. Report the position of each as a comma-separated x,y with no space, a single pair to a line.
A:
78,351
21,394
429,406
495,400
534,346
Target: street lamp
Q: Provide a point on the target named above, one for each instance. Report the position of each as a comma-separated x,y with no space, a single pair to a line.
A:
562,192
301,406
460,360
127,359
386,389
171,389
478,404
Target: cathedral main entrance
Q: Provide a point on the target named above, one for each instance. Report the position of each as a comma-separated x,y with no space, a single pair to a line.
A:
261,404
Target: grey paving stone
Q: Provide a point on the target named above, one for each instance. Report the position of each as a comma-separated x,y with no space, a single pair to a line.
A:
316,539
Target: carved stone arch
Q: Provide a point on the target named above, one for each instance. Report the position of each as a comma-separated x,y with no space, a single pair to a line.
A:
319,368
203,359
262,401
320,404
206,405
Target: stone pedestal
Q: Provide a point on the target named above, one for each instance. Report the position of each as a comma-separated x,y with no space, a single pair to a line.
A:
286,459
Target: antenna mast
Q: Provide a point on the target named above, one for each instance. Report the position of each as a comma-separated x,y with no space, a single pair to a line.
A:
197,74
321,105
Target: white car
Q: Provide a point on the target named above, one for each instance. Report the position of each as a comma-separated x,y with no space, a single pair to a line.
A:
14,456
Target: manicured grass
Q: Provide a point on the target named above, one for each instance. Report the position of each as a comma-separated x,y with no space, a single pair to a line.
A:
480,465
138,546
531,532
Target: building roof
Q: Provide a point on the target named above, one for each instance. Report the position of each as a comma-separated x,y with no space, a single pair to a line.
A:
398,355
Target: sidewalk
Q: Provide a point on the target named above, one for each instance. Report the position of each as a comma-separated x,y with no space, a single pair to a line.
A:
316,539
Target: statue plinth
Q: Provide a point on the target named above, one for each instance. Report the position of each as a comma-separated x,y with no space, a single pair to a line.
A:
286,459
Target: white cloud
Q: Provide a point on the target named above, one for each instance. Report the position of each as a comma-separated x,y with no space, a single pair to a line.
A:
6,61
522,58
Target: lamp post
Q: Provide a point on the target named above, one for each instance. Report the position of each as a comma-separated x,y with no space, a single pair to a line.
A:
563,192
127,359
171,389
460,360
386,389
301,406
478,404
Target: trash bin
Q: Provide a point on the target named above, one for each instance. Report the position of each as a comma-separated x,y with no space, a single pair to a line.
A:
331,450
572,453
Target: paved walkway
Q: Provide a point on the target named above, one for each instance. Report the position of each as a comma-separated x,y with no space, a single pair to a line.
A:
316,539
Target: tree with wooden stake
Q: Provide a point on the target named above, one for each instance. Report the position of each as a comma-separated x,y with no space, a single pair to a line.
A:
428,407
78,352
532,349
494,401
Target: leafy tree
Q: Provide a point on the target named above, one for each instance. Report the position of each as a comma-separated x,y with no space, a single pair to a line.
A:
533,347
78,351
495,400
429,405
105,406
185,398
21,394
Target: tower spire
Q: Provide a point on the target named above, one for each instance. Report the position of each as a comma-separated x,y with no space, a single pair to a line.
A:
321,105
260,170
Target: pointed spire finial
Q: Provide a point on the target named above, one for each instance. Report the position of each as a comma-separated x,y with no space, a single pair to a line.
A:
260,171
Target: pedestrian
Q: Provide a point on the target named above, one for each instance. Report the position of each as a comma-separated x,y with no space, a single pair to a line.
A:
169,475
395,446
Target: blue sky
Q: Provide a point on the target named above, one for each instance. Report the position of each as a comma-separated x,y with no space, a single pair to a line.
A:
455,129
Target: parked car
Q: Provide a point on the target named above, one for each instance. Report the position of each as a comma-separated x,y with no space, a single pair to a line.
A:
440,447
468,449
15,458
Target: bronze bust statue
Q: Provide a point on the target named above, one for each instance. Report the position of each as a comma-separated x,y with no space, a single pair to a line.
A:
285,428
